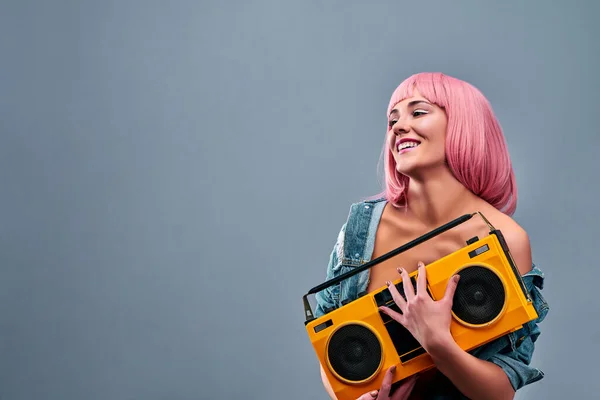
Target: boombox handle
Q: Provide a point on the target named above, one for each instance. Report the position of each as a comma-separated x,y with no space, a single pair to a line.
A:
403,248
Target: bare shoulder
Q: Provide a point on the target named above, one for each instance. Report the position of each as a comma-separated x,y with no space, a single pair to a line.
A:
516,238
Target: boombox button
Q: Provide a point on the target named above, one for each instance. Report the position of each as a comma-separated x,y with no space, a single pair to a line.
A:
324,325
383,297
472,240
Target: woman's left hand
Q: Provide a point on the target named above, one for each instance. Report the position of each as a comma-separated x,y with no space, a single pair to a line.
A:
427,320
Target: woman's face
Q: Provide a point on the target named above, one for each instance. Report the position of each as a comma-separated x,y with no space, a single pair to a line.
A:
417,134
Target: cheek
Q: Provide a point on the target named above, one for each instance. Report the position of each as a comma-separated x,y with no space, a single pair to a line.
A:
432,129
390,139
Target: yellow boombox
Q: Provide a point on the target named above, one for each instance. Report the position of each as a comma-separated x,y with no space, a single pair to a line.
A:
356,343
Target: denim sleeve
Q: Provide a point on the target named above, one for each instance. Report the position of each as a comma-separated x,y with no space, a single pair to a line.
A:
327,299
516,364
513,352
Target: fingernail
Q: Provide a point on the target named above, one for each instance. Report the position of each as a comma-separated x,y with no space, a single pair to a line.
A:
373,393
388,283
393,368
399,270
420,264
456,278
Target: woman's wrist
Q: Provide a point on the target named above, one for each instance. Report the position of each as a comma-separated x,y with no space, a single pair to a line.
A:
439,345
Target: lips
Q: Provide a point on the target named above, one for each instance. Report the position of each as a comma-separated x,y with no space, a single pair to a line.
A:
406,144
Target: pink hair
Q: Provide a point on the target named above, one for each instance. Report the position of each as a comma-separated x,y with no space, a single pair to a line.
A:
476,150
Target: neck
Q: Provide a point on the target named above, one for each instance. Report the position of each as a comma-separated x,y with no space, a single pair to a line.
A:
439,198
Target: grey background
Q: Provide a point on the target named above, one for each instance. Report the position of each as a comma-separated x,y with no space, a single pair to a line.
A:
174,174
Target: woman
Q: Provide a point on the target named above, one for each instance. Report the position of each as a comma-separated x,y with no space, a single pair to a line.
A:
444,156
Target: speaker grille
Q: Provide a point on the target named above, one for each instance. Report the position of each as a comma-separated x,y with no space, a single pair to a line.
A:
354,352
479,296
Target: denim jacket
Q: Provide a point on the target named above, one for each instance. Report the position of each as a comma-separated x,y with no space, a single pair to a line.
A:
354,247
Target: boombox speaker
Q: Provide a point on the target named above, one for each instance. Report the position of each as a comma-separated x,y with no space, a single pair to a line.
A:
356,343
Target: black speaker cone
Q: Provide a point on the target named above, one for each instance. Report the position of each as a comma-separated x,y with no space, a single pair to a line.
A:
479,296
354,352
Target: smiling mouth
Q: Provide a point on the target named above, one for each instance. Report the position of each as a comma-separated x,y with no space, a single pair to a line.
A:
408,145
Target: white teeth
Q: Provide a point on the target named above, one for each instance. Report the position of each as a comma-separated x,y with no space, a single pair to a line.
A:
406,145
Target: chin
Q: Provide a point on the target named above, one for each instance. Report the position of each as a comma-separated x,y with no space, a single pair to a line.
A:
407,170
421,171
413,169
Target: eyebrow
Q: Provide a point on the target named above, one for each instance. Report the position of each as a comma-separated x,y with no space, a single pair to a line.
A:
412,103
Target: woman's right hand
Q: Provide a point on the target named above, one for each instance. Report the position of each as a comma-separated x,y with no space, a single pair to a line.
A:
401,393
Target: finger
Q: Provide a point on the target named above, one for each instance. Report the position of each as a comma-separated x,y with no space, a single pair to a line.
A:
405,388
398,299
422,279
409,291
396,316
451,288
368,396
386,385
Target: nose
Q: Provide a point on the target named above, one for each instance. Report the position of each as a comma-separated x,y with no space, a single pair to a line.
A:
401,127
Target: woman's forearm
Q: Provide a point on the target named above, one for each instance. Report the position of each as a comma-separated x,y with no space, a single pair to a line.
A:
327,385
477,379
